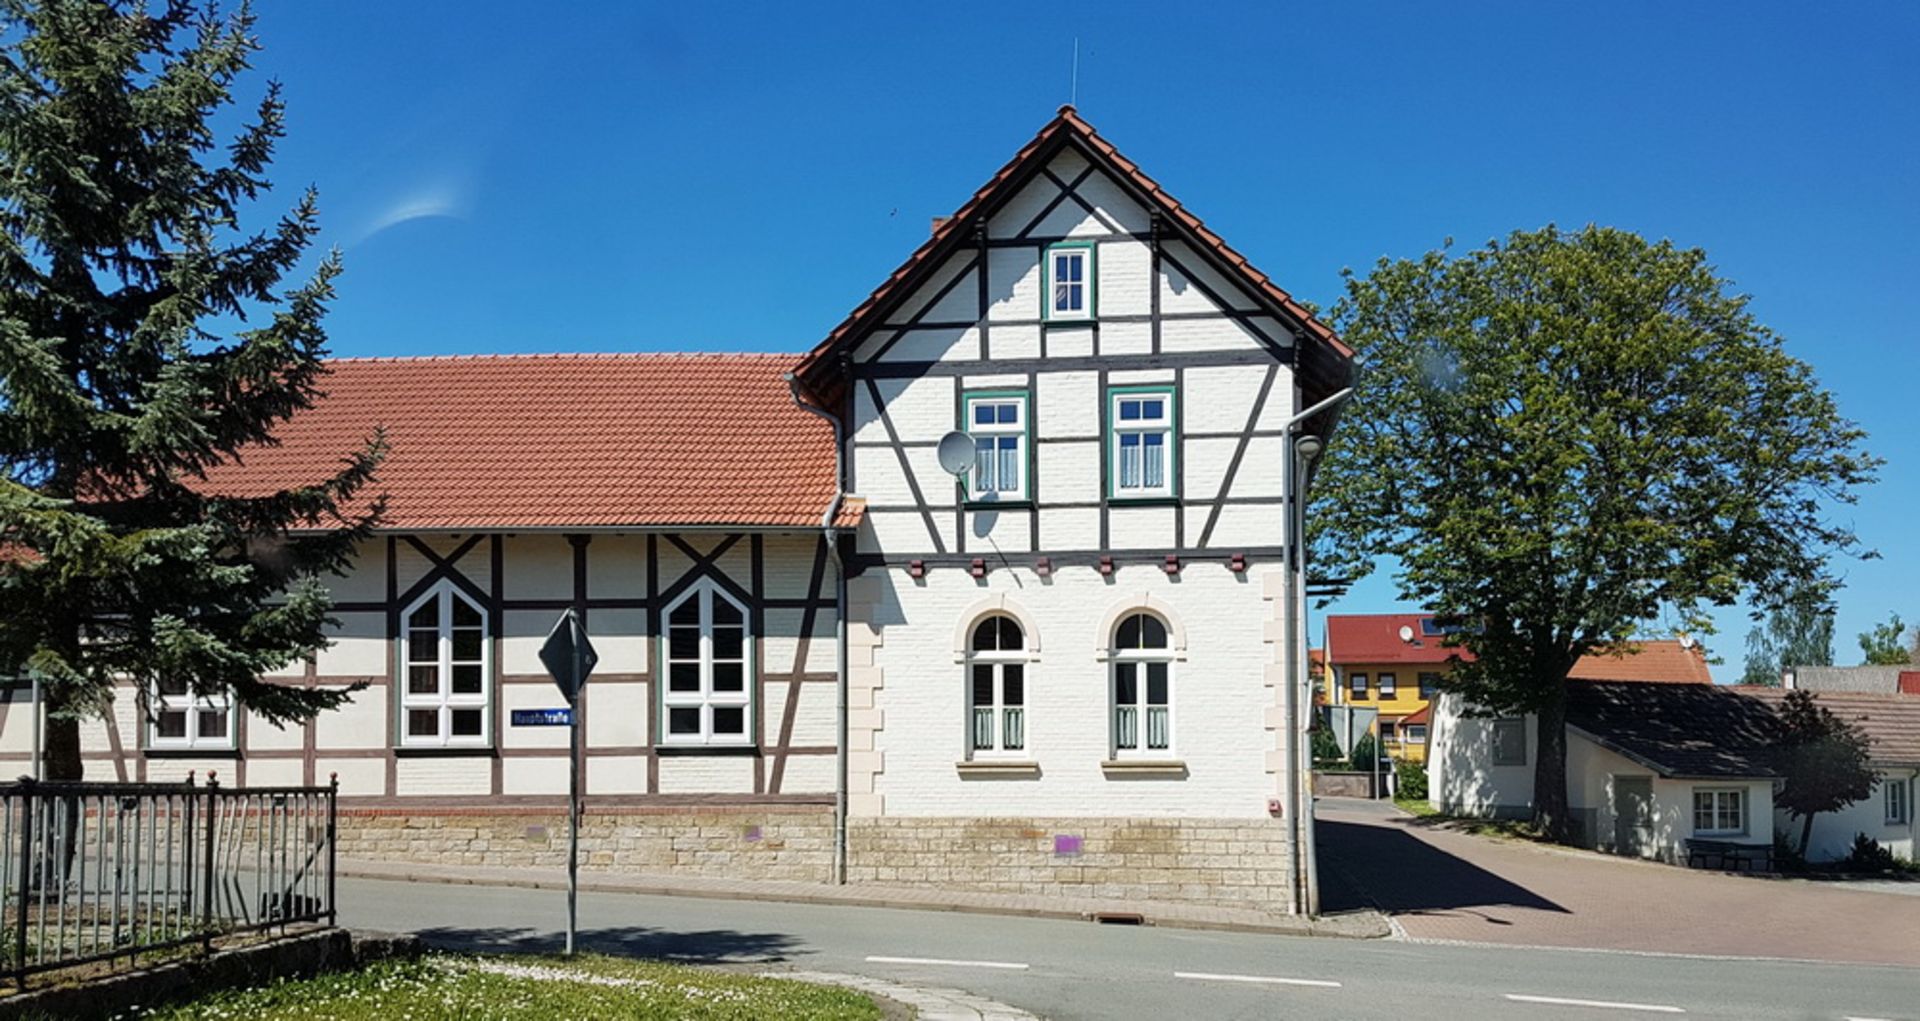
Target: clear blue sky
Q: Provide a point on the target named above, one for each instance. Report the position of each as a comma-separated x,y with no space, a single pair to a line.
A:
695,176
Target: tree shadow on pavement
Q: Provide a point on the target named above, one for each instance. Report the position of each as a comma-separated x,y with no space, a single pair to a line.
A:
1386,867
713,946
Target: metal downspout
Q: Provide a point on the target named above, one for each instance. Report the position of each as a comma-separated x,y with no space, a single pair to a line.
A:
830,536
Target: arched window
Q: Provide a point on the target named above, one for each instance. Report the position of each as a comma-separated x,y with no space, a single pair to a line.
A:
997,687
1142,687
707,699
449,671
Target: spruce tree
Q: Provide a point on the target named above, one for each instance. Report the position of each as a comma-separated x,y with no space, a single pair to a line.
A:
122,258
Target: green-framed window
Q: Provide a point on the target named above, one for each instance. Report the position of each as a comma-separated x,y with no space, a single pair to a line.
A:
1142,442
1000,422
1069,294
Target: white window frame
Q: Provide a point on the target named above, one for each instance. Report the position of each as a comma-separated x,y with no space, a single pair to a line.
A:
1896,793
1083,251
445,700
1408,734
1716,808
191,708
705,698
1139,660
998,712
1512,724
1162,426
1018,429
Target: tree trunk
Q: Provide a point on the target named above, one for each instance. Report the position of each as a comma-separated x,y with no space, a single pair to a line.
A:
1550,812
61,748
1806,837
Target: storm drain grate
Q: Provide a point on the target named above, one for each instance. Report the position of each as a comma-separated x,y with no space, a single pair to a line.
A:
1118,918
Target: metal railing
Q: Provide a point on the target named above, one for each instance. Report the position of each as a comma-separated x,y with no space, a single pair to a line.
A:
98,871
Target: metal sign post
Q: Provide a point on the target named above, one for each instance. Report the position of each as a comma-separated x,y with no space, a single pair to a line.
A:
569,657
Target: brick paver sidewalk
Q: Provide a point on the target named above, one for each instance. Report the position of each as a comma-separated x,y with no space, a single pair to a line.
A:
1441,884
1356,924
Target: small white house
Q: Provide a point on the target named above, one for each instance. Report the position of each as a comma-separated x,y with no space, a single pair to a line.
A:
1650,766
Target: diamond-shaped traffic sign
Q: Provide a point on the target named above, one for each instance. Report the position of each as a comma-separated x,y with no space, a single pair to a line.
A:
568,655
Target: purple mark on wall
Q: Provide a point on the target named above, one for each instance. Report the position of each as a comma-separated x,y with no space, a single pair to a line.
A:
752,833
1066,845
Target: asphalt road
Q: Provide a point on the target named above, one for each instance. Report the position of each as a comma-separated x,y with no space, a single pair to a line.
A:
1068,970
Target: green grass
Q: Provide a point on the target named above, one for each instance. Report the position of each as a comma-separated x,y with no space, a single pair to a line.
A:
460,988
1420,807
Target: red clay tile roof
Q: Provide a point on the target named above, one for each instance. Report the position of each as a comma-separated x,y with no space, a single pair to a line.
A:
1370,638
1365,639
1422,715
1649,661
1325,366
565,441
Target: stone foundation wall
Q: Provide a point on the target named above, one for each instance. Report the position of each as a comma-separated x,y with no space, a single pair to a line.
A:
748,842
1226,862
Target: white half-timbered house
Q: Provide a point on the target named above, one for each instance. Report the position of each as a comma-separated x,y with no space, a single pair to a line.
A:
822,655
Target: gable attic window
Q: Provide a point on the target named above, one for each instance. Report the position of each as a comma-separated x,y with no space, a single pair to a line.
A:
998,424
449,672
707,699
1140,441
1069,284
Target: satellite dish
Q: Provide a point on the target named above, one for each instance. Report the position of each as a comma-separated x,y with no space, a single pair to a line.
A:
1406,633
956,452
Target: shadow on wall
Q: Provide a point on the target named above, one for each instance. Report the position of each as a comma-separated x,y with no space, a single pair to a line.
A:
714,946
1387,868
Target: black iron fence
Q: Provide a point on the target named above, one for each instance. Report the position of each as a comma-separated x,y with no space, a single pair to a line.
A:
99,871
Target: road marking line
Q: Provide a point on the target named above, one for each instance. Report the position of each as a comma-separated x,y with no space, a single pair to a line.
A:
1207,976
951,964
1865,1019
1655,1008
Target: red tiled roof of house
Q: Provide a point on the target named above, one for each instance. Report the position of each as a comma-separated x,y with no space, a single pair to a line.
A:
1648,661
1366,639
564,441
1422,715
1325,366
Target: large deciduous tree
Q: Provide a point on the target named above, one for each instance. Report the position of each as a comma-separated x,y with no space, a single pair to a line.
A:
121,254
1794,635
1886,645
1564,436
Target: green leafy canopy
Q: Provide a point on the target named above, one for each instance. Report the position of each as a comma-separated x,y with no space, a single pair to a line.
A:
120,252
1564,436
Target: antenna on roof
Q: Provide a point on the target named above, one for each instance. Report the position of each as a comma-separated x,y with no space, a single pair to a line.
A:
1073,78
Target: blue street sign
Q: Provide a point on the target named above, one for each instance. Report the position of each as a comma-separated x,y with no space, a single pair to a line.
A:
542,717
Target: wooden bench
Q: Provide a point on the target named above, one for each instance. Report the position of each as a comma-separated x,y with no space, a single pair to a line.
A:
1730,855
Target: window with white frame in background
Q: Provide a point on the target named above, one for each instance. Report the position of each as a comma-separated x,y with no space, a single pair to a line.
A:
1142,687
1510,742
1414,733
707,699
1721,810
997,687
449,667
1896,794
998,425
1070,282
177,718
1142,442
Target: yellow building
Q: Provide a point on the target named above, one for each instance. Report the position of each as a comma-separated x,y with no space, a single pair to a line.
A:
1391,662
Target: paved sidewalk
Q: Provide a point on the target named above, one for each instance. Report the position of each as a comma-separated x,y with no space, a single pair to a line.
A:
1440,884
928,1004
1356,924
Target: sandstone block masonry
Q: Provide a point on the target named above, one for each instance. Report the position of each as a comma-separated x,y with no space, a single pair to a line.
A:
1225,862
755,842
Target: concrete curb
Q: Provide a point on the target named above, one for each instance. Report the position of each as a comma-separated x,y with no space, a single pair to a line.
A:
1350,925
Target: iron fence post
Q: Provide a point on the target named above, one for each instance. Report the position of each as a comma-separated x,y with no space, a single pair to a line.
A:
333,849
26,879
206,867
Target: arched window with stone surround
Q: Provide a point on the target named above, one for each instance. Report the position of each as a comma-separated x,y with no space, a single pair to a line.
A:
1142,689
996,687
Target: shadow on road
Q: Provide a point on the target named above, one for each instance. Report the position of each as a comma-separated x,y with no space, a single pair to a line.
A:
714,946
1384,866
